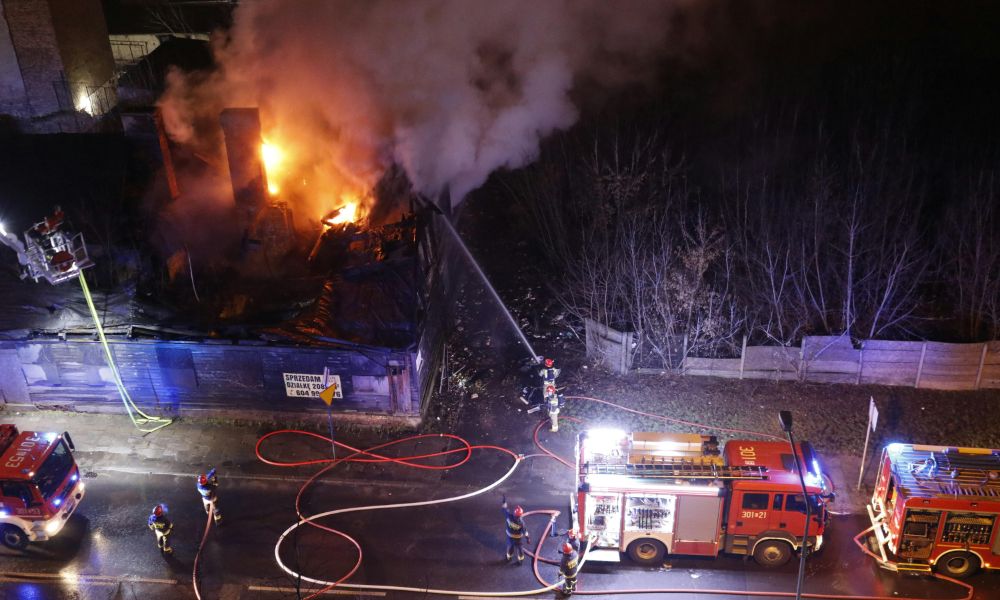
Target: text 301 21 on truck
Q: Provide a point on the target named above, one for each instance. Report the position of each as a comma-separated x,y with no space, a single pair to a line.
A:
40,485
653,494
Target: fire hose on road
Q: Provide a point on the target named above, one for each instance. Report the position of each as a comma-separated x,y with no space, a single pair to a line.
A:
465,450
369,455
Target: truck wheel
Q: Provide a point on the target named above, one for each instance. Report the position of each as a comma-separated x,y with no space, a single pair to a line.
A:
647,551
13,537
958,565
772,553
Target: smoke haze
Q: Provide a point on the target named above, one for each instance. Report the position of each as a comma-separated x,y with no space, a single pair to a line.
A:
450,90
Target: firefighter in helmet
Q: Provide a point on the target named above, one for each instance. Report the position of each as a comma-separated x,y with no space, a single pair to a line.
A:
568,566
517,533
573,537
161,526
548,373
207,486
553,401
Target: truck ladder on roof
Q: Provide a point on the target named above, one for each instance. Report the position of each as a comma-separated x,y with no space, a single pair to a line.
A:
678,469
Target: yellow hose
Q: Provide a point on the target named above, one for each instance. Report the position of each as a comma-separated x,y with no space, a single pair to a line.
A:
130,406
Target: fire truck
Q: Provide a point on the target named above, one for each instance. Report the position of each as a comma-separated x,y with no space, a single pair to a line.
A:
40,485
937,507
653,494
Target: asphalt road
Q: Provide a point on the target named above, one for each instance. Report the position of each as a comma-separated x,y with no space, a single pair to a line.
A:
106,552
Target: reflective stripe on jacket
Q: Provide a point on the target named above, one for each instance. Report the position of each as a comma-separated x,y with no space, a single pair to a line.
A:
161,524
567,566
515,527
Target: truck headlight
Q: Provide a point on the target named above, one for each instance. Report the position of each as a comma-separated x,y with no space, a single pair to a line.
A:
53,527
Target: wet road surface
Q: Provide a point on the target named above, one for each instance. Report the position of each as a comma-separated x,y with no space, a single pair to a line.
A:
106,552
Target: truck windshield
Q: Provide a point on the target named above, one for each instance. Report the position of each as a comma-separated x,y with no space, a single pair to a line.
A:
54,470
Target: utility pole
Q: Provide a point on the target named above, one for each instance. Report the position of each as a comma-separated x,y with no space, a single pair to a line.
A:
327,396
785,418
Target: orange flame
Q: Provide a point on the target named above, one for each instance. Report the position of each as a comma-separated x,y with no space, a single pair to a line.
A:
272,156
348,213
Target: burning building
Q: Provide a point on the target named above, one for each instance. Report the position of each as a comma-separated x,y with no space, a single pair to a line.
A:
299,292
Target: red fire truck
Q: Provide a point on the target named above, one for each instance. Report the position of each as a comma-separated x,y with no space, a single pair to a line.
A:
40,485
937,507
653,494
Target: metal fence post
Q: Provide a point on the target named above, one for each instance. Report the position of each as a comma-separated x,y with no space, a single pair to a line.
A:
920,367
743,355
982,361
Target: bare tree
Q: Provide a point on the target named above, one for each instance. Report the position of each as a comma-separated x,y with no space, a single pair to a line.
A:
970,248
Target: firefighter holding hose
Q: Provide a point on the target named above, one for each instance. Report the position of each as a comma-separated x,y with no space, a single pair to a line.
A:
162,527
207,486
517,533
548,372
551,398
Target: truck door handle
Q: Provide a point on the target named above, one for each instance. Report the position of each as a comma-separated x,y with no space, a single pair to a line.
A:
739,523
783,525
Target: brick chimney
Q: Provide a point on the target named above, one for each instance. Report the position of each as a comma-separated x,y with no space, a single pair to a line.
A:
241,128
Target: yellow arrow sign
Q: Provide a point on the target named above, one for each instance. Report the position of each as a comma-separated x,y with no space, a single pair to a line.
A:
329,394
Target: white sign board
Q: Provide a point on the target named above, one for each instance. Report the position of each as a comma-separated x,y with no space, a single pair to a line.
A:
872,413
308,385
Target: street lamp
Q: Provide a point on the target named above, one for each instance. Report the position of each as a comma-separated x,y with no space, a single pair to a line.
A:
785,418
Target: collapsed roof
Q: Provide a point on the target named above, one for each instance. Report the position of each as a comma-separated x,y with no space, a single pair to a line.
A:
363,295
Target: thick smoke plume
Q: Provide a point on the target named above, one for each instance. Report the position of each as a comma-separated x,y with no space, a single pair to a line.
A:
450,90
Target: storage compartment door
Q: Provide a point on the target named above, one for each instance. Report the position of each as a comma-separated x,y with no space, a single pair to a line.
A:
697,528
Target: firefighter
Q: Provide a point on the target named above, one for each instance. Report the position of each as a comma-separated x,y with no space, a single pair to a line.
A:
207,486
548,373
568,567
53,242
161,526
517,533
51,224
554,401
572,536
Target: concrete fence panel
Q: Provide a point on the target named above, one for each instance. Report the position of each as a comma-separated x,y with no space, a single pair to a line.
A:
610,346
834,359
775,359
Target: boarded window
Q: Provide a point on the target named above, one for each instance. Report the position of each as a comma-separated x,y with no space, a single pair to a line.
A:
369,384
177,367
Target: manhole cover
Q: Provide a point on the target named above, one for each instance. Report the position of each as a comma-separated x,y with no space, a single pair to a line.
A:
90,475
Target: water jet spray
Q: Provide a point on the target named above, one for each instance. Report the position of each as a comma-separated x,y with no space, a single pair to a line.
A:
486,281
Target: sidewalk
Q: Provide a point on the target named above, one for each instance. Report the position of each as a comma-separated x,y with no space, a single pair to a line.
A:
843,469
110,443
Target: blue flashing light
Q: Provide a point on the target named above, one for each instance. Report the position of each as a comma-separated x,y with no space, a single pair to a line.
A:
895,448
74,477
50,437
4,513
57,501
815,468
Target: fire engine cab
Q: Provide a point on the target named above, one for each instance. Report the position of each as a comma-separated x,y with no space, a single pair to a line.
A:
653,494
40,485
937,507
